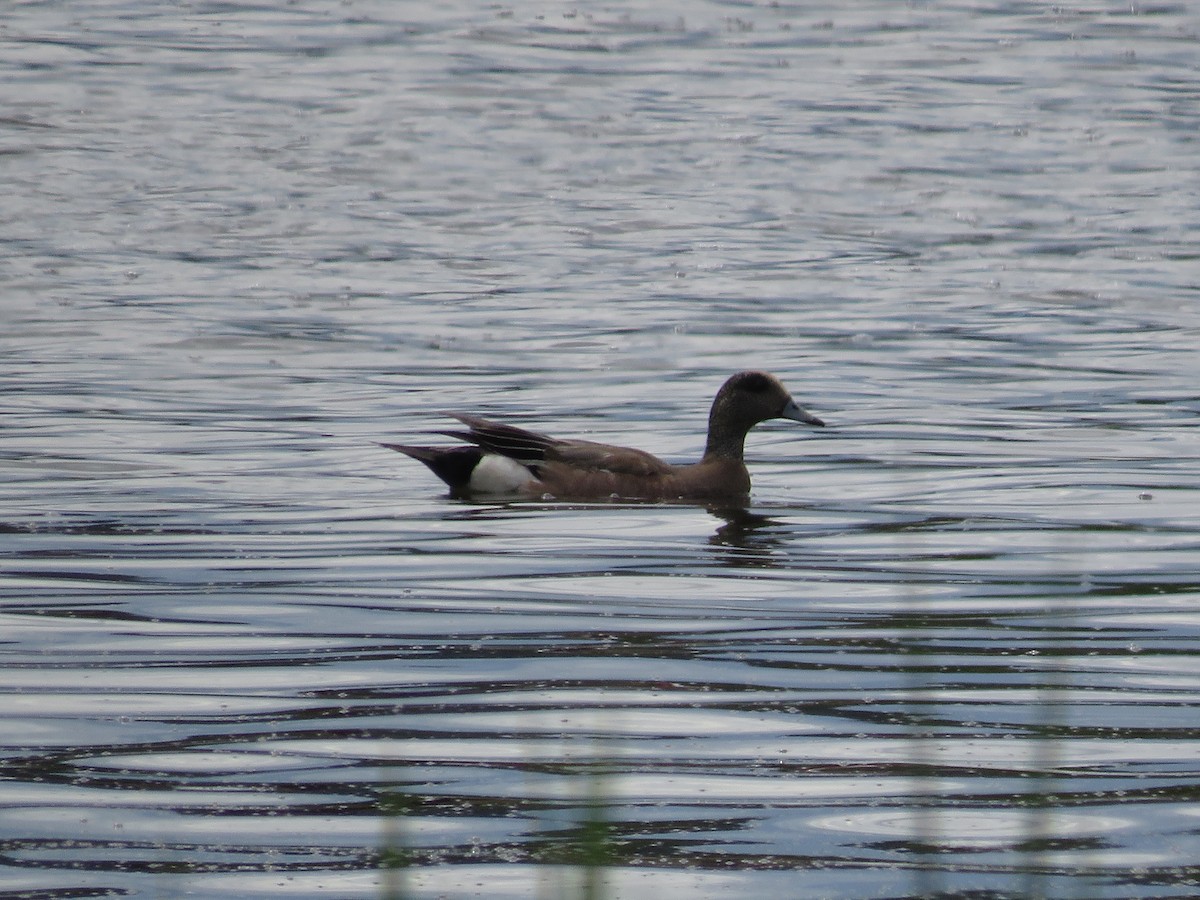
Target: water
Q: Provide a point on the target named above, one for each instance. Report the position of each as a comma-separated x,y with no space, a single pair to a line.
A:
951,647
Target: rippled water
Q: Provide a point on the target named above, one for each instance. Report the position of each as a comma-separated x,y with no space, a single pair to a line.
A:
953,646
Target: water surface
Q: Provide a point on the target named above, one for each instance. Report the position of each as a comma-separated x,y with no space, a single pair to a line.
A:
952,645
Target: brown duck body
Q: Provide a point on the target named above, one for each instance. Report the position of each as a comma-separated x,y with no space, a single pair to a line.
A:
504,459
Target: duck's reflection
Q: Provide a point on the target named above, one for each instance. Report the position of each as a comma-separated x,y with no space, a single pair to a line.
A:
743,539
750,539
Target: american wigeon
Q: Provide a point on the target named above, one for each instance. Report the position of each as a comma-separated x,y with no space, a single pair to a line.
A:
504,459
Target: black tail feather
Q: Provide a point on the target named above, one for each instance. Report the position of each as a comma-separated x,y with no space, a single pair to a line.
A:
453,465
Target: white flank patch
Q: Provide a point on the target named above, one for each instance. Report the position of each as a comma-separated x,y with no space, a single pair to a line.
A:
495,474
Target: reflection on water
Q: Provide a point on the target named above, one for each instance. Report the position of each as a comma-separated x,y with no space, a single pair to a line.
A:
797,714
748,536
949,650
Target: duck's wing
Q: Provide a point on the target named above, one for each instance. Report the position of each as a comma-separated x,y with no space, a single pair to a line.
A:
534,449
507,440
591,457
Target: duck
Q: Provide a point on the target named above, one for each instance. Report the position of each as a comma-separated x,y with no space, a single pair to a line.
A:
498,459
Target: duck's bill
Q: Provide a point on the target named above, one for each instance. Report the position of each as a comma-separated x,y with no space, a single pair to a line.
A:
796,414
